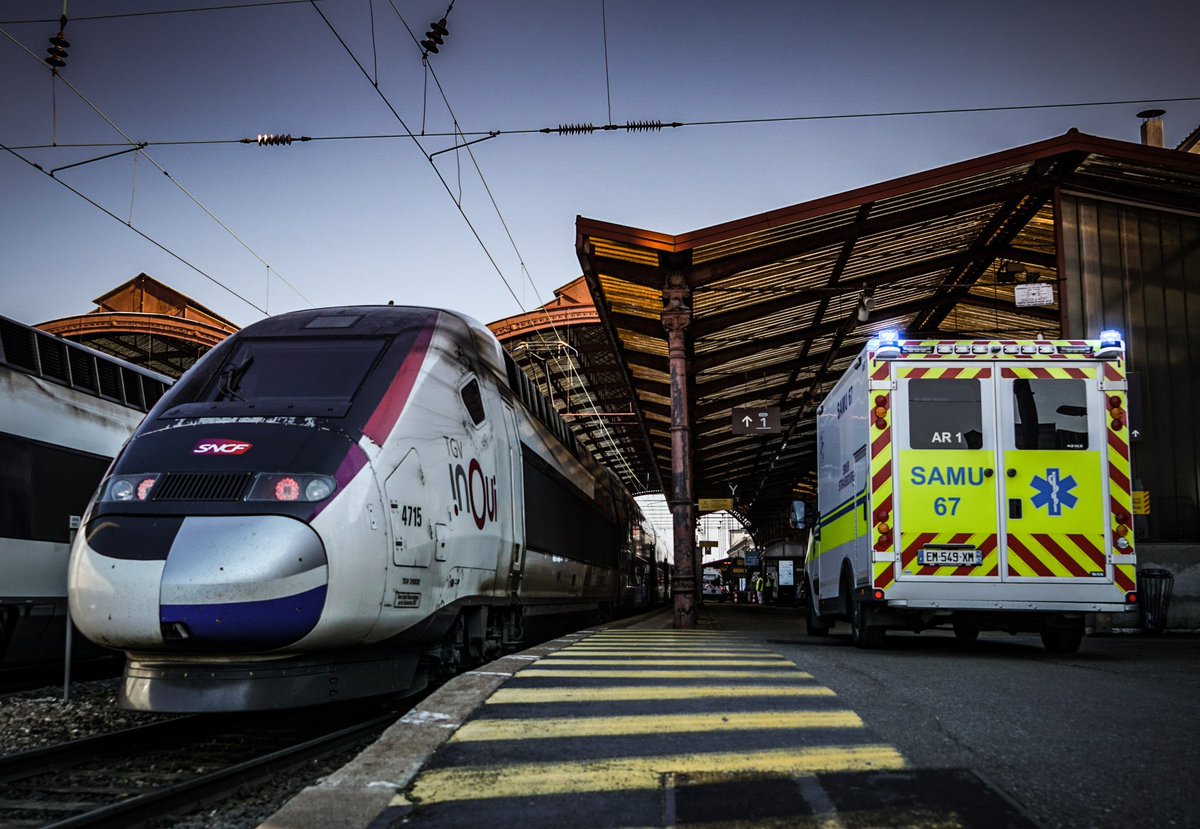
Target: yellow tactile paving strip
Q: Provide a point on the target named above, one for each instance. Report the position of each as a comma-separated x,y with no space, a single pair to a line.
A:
578,722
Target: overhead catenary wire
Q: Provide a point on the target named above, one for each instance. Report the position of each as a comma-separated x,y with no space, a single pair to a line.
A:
649,125
516,249
140,148
144,235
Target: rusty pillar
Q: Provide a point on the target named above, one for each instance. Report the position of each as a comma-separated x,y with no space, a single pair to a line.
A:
676,317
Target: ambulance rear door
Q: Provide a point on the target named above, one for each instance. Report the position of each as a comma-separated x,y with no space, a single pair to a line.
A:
1054,480
945,444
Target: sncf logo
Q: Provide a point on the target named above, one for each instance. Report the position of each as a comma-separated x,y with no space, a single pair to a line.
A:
220,446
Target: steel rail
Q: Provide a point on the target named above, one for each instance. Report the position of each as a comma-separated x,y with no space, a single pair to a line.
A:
178,796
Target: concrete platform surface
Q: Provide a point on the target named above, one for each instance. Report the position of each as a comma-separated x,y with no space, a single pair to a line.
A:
636,724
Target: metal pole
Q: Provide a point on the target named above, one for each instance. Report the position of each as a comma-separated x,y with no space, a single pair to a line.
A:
676,317
74,524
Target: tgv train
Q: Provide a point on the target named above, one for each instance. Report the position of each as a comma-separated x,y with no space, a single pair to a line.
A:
345,502
65,411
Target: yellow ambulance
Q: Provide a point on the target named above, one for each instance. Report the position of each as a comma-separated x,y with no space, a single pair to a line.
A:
979,485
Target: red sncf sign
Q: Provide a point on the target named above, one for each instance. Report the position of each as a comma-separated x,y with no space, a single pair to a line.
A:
221,446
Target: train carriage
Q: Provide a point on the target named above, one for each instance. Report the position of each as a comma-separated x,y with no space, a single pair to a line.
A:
339,503
66,411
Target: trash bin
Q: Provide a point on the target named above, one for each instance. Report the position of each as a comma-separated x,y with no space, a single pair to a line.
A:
1154,597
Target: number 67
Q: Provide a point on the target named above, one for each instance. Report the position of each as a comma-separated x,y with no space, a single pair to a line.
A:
945,506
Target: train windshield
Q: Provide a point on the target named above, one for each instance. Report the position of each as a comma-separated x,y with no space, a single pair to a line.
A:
296,376
329,368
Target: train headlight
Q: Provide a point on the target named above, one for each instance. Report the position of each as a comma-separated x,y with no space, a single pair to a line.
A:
125,488
290,487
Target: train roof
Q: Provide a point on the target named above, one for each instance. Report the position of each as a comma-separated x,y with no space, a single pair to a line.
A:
32,351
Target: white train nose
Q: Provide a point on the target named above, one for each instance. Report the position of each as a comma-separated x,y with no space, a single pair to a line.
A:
229,583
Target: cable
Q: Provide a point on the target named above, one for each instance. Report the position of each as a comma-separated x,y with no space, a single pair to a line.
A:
149,239
639,126
163,11
520,258
163,170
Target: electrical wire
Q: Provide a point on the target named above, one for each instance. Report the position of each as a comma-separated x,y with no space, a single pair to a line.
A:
520,258
145,236
645,126
141,150
118,15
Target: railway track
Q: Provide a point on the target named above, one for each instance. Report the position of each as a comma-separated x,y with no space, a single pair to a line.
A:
137,775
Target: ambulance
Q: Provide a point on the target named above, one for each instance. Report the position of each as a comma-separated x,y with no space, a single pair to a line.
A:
975,485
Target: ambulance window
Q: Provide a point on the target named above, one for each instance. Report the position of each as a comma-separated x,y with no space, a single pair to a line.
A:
472,398
1050,414
945,414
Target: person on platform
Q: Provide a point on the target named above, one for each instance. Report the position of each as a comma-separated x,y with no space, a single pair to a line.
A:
758,588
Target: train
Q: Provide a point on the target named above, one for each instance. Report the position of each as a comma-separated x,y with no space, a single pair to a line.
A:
348,502
67,410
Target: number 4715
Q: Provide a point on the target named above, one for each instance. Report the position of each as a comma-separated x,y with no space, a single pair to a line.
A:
946,506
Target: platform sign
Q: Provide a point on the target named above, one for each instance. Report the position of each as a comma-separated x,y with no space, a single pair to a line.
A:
760,420
751,559
787,576
715,504
707,545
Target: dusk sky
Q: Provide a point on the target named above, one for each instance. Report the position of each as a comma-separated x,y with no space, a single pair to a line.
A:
367,220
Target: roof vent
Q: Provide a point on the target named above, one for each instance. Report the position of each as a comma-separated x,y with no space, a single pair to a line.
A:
1152,126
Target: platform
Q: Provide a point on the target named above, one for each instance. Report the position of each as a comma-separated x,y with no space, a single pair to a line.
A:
636,724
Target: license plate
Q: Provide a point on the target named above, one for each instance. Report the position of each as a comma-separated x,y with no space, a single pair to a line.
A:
949,556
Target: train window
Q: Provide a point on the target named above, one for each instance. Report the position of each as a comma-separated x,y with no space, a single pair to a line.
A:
83,373
18,346
110,379
472,398
53,355
328,368
133,388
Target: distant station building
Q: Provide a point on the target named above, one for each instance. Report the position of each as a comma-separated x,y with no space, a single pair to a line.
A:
146,323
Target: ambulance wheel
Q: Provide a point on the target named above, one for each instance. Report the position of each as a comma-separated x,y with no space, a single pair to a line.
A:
863,630
812,620
1063,639
965,632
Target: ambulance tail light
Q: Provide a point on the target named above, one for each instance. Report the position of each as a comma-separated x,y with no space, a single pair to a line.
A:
877,595
1111,346
1131,597
889,345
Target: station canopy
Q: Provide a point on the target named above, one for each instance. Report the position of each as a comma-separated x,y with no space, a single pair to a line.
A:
782,302
147,323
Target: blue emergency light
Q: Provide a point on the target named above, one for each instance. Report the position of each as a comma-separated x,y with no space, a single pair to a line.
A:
889,345
1111,345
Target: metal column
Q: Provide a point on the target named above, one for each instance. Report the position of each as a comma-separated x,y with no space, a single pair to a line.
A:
676,317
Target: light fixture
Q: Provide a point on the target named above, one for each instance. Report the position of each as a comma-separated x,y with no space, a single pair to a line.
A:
1009,272
866,304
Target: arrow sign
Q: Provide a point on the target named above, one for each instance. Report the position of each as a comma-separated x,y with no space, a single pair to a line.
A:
760,420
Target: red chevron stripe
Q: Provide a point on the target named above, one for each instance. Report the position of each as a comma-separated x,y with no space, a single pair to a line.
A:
1025,557
881,372
1077,373
1123,581
1063,557
1119,479
910,552
1111,372
886,577
1094,553
1117,442
882,441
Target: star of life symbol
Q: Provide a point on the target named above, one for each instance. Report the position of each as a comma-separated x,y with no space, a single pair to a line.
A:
1054,492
